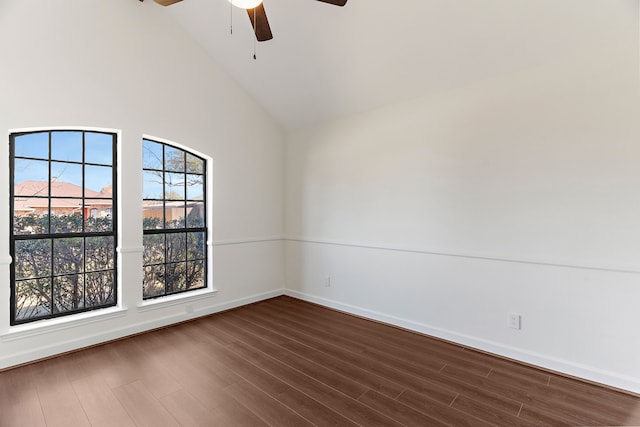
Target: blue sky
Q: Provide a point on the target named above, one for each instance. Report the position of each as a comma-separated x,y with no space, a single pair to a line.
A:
66,160
66,146
152,158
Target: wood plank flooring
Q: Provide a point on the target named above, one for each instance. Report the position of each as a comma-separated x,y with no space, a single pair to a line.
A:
284,362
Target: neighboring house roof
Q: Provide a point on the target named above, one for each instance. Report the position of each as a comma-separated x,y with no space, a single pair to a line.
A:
30,195
153,204
158,204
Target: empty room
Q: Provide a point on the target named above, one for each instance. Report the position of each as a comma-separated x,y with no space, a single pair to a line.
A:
319,212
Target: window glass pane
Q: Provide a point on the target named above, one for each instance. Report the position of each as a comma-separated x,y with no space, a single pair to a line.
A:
66,179
99,252
32,258
99,288
31,203
66,146
176,277
31,177
196,245
194,164
98,215
173,200
33,298
176,247
68,256
153,281
152,215
98,181
173,159
151,155
34,145
174,215
30,223
152,185
174,186
195,214
66,218
55,192
195,274
154,249
98,148
68,293
195,187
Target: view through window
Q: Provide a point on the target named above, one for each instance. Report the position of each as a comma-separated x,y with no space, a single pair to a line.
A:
174,220
63,223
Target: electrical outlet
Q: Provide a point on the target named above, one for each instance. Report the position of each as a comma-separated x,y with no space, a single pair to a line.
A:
514,321
327,282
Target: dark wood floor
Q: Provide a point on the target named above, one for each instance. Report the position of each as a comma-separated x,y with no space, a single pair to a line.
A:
285,362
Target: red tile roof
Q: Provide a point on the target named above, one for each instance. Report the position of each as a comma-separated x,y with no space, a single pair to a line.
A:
34,194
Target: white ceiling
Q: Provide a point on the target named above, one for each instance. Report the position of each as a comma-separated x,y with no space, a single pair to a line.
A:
327,61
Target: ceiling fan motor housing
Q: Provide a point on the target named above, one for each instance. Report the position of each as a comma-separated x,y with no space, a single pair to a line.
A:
257,14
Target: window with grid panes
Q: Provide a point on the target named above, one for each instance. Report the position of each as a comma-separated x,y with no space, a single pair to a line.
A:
174,220
63,223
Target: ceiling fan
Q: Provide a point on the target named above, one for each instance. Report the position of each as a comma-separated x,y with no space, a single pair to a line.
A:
257,14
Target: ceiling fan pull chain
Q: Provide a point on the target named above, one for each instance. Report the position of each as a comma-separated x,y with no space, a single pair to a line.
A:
231,17
254,30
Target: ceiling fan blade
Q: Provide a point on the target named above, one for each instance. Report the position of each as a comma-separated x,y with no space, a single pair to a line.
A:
262,28
166,2
335,2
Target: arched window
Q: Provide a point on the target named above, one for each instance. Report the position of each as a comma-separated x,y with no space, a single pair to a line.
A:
174,220
63,223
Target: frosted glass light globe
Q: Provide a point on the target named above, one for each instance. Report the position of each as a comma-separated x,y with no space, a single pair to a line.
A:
245,4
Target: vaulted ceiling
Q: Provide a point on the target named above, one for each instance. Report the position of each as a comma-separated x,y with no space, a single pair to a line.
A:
327,61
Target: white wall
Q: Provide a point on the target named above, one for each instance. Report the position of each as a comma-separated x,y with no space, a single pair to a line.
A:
517,194
124,65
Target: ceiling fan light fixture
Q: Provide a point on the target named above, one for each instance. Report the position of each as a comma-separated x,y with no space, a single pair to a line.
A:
246,4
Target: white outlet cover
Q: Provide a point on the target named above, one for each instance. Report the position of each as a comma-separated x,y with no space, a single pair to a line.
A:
514,321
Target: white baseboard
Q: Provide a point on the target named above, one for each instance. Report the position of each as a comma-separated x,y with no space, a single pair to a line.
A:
239,302
103,336
546,362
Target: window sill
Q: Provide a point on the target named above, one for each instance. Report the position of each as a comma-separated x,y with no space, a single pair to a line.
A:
171,300
43,327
